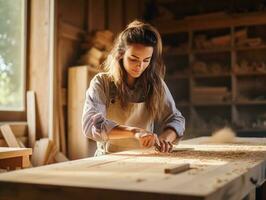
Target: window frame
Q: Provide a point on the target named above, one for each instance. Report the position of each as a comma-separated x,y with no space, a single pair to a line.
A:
19,114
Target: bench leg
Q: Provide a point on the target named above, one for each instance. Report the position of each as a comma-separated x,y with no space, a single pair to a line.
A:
261,192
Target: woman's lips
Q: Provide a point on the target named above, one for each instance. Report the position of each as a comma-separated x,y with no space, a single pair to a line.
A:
136,71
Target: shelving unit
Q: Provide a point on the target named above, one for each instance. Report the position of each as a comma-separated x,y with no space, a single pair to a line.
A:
216,72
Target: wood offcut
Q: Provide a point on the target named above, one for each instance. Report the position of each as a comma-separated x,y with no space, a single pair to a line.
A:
178,169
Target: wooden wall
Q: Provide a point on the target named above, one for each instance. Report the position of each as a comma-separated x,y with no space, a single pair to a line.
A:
113,14
72,20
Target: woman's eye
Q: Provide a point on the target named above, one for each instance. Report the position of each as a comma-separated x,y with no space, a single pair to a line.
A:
133,60
146,61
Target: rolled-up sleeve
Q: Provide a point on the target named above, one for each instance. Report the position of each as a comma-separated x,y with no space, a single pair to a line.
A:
171,117
94,123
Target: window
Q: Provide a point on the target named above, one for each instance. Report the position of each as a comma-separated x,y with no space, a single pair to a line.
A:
12,54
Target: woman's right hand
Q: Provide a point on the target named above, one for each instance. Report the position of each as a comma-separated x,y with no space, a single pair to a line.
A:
146,138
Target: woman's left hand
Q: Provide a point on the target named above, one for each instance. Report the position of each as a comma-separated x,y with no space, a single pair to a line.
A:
165,146
166,140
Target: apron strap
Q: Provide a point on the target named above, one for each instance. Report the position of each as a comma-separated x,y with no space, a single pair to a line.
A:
112,92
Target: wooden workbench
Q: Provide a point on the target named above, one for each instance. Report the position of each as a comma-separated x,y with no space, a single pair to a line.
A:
12,158
228,171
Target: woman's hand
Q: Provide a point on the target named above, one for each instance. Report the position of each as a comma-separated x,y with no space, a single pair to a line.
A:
166,140
146,138
165,146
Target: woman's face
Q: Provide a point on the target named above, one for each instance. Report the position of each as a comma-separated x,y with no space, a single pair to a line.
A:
136,59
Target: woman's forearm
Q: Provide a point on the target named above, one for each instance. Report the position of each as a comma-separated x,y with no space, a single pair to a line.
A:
169,135
121,131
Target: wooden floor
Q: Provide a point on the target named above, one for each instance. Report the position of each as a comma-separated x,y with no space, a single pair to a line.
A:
228,171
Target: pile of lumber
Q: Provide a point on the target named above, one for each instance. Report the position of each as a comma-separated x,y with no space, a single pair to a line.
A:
242,39
203,42
17,131
23,134
245,66
97,45
200,67
46,152
210,94
182,47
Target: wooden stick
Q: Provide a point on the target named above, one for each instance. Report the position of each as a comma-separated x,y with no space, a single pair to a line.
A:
31,117
60,157
21,144
22,139
9,136
177,169
20,129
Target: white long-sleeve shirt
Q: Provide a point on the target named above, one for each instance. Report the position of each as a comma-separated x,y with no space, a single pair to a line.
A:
96,126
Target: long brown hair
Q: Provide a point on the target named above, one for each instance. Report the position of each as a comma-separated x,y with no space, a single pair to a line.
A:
151,79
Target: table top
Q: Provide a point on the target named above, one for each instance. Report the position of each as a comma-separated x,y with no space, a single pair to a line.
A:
218,171
10,152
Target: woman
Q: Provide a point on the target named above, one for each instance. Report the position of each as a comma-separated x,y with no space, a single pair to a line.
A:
130,106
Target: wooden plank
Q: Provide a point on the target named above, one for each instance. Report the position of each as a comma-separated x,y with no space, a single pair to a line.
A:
10,152
9,136
52,154
38,72
79,77
31,117
77,142
217,172
24,140
41,151
177,169
60,157
53,31
20,129
21,144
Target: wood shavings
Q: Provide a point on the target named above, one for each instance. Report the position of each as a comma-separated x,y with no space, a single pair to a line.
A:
214,155
224,135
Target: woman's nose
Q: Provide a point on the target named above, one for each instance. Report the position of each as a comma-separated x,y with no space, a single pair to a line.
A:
140,64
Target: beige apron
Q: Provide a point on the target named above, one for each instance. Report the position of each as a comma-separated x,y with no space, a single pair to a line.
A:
135,115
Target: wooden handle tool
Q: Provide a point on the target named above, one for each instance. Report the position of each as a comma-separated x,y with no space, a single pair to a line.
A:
177,169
